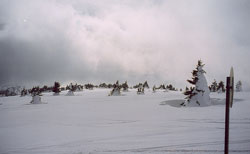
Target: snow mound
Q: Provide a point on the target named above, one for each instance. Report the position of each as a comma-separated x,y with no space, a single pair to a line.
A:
56,94
173,103
125,90
140,92
36,100
70,93
115,93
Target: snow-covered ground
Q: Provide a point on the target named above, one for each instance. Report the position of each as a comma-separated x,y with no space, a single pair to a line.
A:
93,122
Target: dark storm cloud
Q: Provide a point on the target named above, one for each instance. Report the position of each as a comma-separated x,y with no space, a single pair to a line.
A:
85,41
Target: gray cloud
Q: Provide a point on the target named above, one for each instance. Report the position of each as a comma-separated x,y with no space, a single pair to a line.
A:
99,41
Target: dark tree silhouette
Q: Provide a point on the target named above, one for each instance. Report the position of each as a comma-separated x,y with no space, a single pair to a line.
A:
56,88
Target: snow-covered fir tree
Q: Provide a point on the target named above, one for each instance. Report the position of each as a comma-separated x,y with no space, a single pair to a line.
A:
116,91
72,88
239,86
36,98
199,94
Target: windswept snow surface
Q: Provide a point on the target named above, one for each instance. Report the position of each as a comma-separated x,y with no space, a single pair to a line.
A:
93,122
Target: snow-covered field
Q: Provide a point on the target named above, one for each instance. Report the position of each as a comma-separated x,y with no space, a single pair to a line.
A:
93,122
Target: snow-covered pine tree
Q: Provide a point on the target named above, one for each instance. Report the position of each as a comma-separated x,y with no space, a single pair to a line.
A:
116,91
199,94
239,86
72,88
35,92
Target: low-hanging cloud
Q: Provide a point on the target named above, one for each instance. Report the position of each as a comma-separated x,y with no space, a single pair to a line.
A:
98,41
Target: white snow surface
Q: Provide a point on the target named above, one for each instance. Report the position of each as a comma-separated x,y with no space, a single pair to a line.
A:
91,122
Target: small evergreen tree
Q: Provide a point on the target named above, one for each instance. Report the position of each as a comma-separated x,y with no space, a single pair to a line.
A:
116,91
199,94
239,86
72,88
56,88
125,86
145,85
24,92
171,87
221,87
214,86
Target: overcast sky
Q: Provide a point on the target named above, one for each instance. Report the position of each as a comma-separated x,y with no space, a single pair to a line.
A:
42,41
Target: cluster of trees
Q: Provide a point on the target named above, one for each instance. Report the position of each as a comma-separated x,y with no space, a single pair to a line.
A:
11,91
124,86
118,87
89,86
105,85
217,87
169,87
198,88
220,87
56,89
38,90
74,87
144,85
